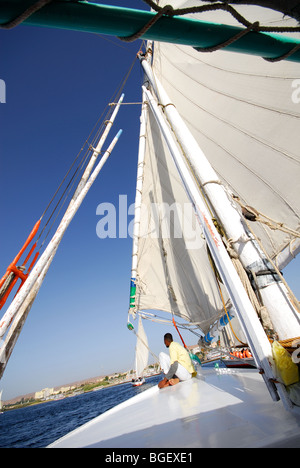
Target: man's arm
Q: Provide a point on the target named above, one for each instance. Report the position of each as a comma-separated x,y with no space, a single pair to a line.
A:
172,371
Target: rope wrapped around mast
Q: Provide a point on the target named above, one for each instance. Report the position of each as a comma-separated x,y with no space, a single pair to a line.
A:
168,10
8,281
26,14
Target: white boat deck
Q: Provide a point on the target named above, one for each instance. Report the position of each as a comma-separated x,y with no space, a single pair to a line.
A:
219,408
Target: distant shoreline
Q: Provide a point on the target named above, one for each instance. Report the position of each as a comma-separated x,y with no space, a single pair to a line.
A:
95,388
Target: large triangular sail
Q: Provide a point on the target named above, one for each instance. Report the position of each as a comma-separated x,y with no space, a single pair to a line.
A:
232,109
173,269
241,119
236,107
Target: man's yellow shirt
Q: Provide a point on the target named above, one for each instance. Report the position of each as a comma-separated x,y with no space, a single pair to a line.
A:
179,353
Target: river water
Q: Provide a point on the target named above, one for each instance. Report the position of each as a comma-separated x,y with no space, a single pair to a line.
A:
38,426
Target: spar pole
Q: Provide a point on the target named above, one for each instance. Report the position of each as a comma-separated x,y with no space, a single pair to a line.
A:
54,243
124,22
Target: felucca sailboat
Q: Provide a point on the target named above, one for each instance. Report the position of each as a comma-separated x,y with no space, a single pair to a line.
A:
1,391
141,355
216,217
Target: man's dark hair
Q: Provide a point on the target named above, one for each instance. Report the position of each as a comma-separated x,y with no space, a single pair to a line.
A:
168,337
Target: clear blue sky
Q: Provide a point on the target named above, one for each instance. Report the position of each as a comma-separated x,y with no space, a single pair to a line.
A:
58,83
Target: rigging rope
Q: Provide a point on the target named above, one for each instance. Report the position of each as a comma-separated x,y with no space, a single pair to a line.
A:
261,310
293,298
253,214
15,272
91,140
290,344
26,14
224,6
131,328
168,10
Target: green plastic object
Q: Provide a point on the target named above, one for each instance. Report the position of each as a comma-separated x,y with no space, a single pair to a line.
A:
130,326
195,358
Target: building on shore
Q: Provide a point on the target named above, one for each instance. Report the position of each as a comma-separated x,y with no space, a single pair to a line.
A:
44,394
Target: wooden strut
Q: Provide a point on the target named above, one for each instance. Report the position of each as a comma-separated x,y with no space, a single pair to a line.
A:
17,271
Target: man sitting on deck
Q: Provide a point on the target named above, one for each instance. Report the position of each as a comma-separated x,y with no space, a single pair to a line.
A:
178,366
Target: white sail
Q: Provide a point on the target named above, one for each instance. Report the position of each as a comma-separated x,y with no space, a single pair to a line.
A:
244,114
173,270
1,391
141,350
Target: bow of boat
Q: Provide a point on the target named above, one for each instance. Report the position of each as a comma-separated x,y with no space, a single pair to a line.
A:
219,408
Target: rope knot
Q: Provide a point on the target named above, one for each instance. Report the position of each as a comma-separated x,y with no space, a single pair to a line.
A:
255,26
168,10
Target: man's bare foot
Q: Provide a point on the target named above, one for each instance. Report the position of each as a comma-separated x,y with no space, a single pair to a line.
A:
174,381
164,383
